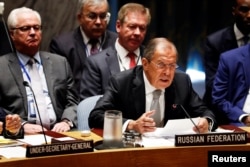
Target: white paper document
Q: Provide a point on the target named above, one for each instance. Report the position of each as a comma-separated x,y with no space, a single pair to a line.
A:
165,136
173,127
36,139
13,152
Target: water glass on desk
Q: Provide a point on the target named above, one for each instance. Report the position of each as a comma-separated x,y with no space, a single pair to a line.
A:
112,133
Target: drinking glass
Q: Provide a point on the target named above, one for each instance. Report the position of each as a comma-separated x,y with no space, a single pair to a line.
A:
112,133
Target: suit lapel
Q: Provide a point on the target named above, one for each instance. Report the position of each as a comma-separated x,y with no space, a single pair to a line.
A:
112,60
16,71
80,46
47,69
169,101
230,39
138,86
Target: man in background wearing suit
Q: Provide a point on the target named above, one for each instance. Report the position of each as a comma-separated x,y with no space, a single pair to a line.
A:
223,40
131,25
93,18
231,93
132,92
56,93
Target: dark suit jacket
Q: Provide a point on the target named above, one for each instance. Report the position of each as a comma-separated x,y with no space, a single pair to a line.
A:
5,133
215,44
71,46
98,70
126,92
231,84
60,82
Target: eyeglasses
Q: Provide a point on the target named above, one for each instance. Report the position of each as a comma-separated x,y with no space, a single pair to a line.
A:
28,28
162,65
93,16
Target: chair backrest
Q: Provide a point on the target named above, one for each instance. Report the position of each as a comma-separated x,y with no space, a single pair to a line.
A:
83,110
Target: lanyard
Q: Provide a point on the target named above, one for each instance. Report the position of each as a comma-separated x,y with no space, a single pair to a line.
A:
24,70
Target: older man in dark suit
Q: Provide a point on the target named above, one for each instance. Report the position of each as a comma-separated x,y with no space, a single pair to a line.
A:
132,92
47,77
76,45
131,26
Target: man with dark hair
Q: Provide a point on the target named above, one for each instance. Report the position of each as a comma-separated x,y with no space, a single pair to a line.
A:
223,40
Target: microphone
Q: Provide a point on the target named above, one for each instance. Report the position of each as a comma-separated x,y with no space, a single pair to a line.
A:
5,28
186,113
26,84
1,8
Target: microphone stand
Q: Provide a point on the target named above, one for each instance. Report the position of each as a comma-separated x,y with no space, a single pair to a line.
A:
25,83
183,109
5,27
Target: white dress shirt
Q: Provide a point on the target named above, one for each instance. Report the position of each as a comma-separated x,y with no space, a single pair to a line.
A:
123,59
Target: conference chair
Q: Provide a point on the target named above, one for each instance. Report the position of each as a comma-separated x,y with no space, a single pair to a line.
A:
83,110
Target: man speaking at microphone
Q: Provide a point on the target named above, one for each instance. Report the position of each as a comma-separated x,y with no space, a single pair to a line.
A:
36,85
147,95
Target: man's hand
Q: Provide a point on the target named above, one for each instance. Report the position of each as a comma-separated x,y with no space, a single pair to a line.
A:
61,127
202,125
143,124
33,128
13,123
246,120
1,127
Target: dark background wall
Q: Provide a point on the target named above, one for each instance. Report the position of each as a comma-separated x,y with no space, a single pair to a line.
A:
185,22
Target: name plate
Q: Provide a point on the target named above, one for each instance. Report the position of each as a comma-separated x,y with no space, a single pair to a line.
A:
211,139
76,146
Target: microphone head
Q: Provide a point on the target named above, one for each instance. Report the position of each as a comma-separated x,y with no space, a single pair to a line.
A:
25,83
1,8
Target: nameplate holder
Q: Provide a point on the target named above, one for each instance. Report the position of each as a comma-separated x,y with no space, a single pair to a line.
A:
211,139
59,148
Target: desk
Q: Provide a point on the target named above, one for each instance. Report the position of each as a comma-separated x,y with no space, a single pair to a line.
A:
163,156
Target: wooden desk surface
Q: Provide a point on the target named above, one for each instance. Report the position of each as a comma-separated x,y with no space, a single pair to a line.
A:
161,156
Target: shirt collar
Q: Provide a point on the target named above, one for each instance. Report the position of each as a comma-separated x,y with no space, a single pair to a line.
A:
148,87
24,58
122,52
238,33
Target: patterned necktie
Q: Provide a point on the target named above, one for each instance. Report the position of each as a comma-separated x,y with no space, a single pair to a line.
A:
155,105
94,49
132,57
36,84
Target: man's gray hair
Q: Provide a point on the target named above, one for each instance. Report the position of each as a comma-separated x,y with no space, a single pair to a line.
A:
82,3
158,42
13,16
